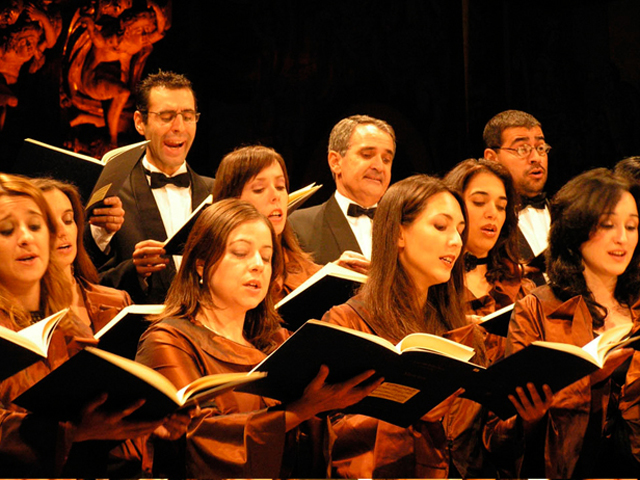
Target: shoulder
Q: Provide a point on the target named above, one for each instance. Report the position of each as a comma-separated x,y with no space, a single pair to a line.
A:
540,300
100,294
173,326
169,331
310,213
352,314
208,181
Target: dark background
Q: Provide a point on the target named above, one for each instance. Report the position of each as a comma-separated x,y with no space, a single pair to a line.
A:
282,73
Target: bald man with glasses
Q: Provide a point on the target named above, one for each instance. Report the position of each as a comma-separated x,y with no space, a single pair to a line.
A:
159,195
515,139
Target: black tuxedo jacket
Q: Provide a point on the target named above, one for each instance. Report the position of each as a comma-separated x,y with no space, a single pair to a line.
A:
142,221
324,231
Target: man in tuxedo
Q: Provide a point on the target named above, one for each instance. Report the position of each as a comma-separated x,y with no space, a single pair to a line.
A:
515,139
159,194
361,151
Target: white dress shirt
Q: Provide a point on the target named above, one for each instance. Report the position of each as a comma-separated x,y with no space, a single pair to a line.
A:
361,226
534,225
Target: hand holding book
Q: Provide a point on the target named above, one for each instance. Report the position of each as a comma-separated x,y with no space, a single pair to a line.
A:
149,257
530,405
320,396
97,423
110,216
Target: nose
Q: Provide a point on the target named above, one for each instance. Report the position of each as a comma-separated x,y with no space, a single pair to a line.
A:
257,263
26,235
535,156
274,195
490,211
178,124
377,163
622,234
456,239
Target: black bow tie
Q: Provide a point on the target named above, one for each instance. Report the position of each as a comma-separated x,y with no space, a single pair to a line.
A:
357,211
539,202
159,180
471,261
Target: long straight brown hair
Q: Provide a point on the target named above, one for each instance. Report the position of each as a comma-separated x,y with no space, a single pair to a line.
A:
207,242
83,267
389,292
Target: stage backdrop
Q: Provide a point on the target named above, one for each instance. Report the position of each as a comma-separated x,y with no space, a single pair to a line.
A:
282,73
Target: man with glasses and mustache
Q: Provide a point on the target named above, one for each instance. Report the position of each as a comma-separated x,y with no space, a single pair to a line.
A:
360,154
515,139
159,195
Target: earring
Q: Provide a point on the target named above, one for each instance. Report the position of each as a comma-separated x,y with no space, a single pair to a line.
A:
201,281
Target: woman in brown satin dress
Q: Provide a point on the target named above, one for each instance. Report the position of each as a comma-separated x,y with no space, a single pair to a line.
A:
219,319
592,427
93,304
413,284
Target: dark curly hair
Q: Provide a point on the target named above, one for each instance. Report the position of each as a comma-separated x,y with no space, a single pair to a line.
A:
576,211
503,257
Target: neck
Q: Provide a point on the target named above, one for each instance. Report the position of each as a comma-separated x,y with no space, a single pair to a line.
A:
167,170
363,202
480,271
476,281
68,272
421,296
602,288
29,297
224,322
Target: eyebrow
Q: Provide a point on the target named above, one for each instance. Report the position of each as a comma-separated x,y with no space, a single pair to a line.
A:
368,147
249,242
482,192
263,179
614,214
450,217
29,211
526,138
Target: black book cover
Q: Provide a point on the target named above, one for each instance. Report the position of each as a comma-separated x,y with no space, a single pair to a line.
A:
415,381
314,299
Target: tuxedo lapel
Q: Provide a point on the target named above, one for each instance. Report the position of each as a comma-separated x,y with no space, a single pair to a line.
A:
149,215
337,224
199,189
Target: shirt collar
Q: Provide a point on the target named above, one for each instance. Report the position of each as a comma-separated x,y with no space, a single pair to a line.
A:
152,168
343,202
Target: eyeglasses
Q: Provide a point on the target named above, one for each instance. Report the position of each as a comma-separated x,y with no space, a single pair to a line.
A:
168,116
523,151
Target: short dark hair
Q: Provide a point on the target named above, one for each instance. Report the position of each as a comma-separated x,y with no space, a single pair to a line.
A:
492,134
162,79
576,211
340,136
